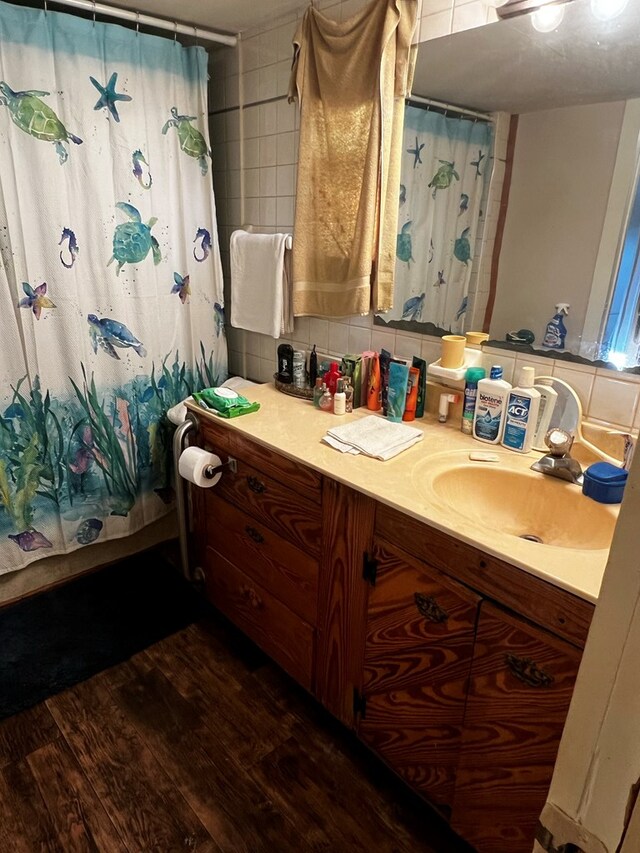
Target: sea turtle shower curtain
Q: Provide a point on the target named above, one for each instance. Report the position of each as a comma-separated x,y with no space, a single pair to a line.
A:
445,159
111,297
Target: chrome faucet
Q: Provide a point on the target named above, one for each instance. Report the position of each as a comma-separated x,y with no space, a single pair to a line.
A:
559,462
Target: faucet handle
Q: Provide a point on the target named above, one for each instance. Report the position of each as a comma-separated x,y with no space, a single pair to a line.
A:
629,447
558,441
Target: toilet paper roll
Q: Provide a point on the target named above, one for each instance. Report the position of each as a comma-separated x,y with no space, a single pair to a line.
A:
178,413
193,463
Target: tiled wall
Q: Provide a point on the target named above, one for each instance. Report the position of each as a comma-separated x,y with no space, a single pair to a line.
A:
608,397
254,183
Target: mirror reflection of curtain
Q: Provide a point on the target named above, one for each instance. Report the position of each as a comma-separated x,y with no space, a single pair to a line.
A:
445,159
111,289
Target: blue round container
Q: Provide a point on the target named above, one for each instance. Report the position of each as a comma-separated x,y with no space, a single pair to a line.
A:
604,482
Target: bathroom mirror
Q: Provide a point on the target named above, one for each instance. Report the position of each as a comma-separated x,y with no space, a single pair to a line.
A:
575,166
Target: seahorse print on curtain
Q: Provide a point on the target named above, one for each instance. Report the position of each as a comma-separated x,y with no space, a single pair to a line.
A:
104,182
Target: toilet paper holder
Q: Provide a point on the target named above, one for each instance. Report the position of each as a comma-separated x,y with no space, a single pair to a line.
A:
189,425
211,470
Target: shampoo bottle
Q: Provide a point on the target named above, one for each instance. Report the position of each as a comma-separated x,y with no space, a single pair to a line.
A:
491,404
556,331
521,418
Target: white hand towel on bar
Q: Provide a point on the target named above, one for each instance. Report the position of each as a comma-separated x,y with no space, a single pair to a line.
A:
259,283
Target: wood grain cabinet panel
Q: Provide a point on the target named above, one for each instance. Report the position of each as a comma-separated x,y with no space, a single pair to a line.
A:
273,504
288,572
522,679
285,637
418,651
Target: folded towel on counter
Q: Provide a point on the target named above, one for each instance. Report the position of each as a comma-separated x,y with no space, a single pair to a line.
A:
373,436
260,283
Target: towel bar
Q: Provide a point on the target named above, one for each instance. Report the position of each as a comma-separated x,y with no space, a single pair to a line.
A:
256,229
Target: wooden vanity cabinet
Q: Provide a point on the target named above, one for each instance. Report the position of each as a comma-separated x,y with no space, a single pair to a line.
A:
456,668
519,682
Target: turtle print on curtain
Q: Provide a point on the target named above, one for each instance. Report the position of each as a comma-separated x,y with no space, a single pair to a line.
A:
111,305
442,179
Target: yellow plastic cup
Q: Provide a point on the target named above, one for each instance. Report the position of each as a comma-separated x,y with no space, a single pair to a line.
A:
452,352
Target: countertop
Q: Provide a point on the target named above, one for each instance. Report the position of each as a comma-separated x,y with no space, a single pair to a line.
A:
294,427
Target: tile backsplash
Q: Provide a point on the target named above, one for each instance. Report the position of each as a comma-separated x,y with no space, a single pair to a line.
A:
608,398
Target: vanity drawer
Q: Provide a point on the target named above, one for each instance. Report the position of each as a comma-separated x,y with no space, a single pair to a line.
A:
285,637
274,504
559,611
288,572
226,442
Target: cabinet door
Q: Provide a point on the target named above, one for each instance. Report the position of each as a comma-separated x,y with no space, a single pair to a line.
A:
418,651
522,679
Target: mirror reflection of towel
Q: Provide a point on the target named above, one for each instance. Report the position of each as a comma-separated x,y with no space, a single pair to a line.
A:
260,298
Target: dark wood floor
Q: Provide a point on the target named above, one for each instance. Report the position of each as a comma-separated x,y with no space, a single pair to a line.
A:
201,744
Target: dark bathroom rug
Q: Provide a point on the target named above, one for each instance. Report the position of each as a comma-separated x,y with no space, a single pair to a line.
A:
57,638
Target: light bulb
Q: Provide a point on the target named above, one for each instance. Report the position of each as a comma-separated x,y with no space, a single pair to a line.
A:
606,10
547,18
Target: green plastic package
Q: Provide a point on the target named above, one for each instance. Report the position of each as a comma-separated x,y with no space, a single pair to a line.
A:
224,402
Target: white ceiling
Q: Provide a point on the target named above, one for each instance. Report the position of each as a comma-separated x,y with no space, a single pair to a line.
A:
510,66
231,16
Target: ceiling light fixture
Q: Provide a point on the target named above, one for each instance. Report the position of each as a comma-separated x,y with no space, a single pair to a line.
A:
547,18
606,10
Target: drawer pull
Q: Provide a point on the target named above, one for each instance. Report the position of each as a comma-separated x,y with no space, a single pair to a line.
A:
429,608
528,672
251,596
253,534
256,485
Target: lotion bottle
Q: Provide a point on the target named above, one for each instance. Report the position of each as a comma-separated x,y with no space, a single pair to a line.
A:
339,399
491,404
521,417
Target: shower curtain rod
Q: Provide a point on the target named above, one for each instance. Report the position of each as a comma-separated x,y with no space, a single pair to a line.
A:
148,20
451,108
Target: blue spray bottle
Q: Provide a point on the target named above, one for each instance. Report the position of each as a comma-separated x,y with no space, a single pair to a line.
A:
556,332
